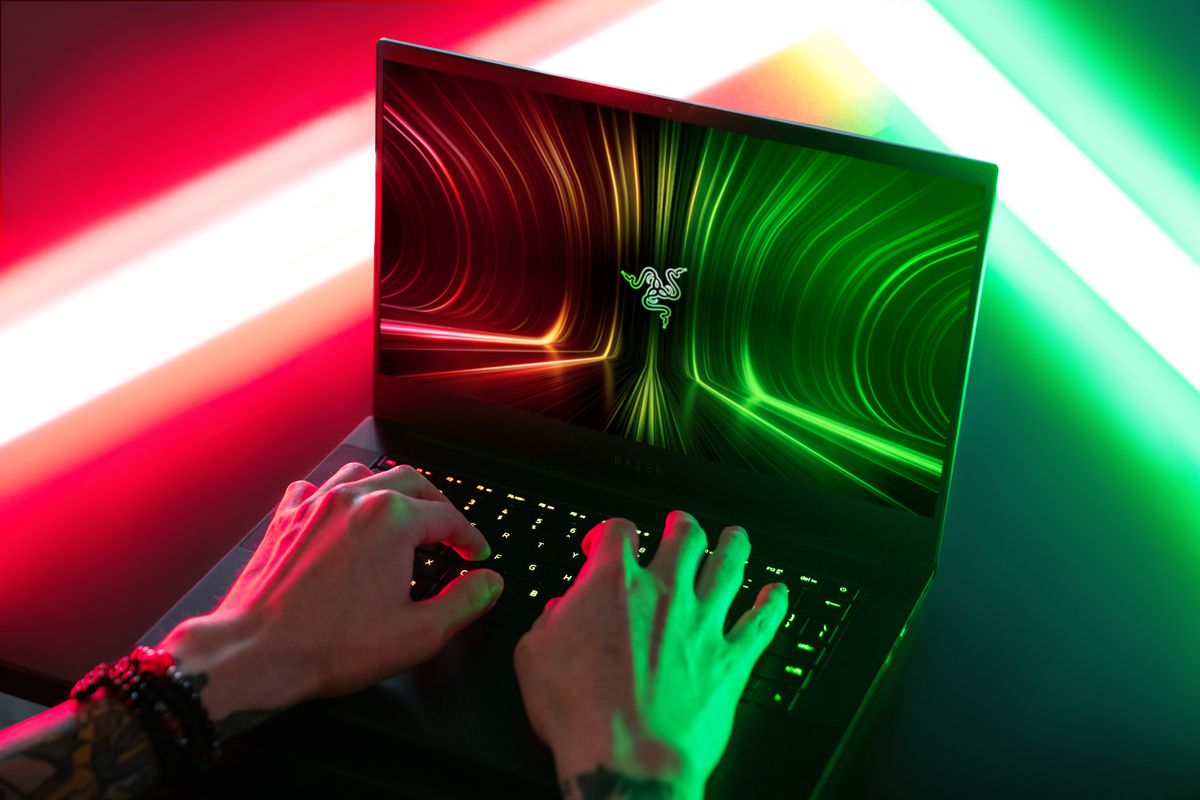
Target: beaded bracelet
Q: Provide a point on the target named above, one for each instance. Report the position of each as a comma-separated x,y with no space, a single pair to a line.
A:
166,703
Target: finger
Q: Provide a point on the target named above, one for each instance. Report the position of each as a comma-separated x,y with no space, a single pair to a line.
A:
296,493
722,574
753,631
609,540
348,473
434,522
678,556
406,480
464,600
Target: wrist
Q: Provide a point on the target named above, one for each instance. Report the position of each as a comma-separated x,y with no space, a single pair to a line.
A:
625,760
231,660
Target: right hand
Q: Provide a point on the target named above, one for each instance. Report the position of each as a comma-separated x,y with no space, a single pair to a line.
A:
629,677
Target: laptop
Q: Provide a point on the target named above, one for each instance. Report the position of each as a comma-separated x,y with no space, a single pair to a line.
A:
592,302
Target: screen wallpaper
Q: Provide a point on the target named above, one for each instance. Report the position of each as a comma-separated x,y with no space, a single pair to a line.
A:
781,309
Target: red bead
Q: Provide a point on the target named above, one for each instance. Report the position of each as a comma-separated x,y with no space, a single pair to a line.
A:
154,662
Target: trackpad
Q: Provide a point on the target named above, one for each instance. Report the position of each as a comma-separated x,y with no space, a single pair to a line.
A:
464,702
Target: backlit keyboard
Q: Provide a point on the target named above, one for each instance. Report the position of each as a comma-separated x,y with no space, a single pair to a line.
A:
536,546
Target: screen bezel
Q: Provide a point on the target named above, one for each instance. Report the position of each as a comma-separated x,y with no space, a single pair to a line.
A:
607,459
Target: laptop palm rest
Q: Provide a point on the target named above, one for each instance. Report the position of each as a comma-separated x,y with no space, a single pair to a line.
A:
465,701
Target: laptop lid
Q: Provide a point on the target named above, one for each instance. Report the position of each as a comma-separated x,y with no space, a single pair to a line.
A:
665,296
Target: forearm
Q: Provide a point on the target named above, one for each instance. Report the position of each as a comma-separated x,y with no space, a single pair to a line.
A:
91,748
96,747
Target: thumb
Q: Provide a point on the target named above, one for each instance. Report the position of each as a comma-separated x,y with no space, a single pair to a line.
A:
464,600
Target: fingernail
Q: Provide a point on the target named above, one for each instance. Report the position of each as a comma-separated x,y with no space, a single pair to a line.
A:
495,583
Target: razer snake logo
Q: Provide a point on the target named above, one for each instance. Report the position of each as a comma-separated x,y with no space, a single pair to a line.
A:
657,290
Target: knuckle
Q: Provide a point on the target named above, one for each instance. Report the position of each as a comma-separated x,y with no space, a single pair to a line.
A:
384,503
351,472
336,499
342,493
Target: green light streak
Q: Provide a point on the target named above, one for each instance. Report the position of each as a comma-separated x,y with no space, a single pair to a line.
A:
777,431
834,291
1133,116
890,450
1072,204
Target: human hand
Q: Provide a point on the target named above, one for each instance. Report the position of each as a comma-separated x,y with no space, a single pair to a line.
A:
323,606
629,677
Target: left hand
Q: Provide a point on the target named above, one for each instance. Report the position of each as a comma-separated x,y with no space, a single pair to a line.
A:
323,606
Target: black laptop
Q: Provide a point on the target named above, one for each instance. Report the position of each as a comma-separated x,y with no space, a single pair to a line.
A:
592,302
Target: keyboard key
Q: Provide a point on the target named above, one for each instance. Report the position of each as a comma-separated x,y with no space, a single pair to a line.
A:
787,671
558,582
786,638
422,588
460,568
528,595
429,566
836,590
769,694
478,510
817,606
526,543
512,615
648,542
528,569
817,634
796,653
802,581
571,557
572,530
502,541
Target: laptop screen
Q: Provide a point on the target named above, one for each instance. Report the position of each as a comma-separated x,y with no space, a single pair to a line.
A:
781,309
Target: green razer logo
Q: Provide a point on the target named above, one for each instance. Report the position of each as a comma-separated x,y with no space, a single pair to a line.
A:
657,290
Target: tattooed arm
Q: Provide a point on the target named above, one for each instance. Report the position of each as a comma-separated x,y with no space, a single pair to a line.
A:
87,749
322,608
74,750
629,677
